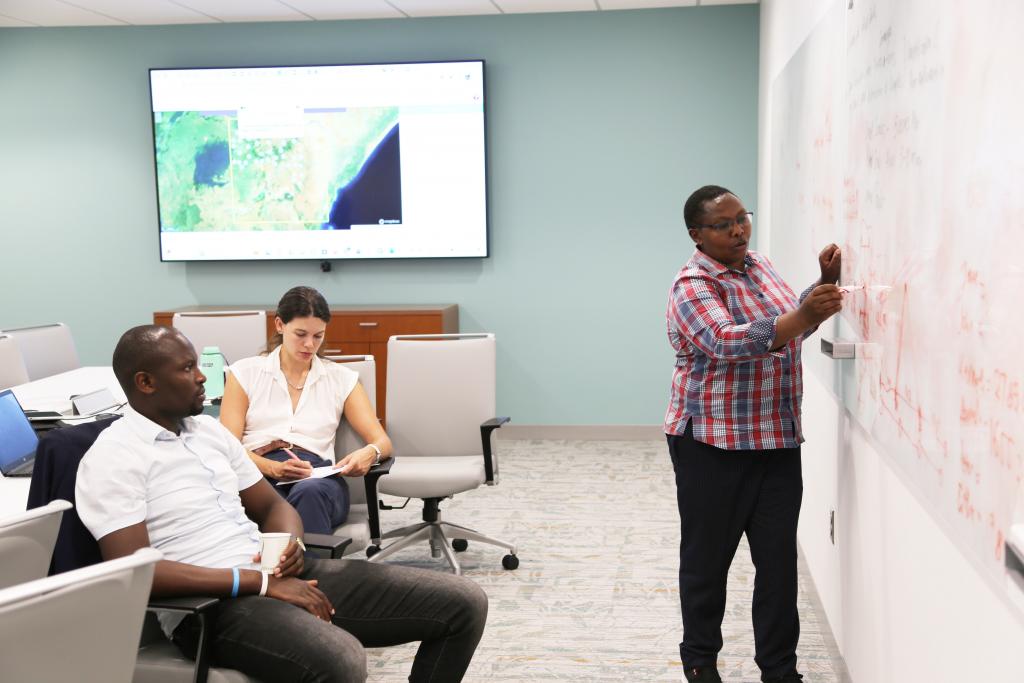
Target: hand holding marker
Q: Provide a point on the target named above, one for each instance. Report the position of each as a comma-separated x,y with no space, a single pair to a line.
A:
846,289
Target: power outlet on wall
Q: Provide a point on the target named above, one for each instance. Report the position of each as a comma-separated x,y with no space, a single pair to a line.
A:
832,525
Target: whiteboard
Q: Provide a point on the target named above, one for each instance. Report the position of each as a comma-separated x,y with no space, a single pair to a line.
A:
808,144
898,133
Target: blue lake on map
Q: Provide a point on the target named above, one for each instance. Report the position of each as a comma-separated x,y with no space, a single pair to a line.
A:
211,163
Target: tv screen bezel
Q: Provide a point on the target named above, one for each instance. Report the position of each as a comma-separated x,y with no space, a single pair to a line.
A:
487,202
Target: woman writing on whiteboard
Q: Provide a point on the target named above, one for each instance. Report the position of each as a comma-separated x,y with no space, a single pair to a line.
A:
733,429
285,408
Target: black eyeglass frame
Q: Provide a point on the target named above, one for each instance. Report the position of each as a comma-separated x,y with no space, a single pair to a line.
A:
722,226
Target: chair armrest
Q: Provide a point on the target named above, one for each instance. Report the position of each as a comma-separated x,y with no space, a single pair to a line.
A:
372,503
202,608
490,471
189,605
380,469
335,545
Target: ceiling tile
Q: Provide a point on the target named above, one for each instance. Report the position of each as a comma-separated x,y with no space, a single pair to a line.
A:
143,13
517,6
53,13
326,10
8,22
437,8
244,10
645,4
148,12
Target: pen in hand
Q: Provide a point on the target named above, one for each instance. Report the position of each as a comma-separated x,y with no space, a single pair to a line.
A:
303,468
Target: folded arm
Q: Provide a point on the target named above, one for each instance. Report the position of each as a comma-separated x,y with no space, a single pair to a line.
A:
173,579
262,504
704,320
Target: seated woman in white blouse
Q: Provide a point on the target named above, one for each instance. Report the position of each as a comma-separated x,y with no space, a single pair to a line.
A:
285,407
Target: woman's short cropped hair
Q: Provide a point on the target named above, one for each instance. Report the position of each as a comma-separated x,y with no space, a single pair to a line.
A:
694,207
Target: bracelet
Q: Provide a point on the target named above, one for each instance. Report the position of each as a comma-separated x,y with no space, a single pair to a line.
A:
234,584
263,586
376,449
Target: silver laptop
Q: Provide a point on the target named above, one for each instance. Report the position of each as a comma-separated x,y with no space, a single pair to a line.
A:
18,440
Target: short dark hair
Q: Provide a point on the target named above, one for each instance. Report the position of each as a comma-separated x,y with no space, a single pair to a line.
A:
141,349
299,302
694,207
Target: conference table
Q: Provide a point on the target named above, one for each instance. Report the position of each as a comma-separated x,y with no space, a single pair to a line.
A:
53,393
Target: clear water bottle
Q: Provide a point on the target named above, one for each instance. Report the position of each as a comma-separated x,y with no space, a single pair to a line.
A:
211,363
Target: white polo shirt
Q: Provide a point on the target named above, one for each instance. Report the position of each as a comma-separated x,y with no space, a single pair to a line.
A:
314,423
184,487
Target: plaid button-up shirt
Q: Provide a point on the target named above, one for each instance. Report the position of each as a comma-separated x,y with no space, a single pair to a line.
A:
739,394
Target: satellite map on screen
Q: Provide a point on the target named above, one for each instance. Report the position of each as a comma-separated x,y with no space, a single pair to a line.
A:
306,170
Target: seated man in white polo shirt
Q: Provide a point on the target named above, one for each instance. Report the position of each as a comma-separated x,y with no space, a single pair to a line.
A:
167,477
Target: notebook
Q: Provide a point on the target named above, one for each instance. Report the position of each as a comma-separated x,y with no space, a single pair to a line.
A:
18,440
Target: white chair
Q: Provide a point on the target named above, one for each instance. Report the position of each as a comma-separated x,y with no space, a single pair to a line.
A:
26,543
363,523
82,625
45,349
440,408
12,367
238,334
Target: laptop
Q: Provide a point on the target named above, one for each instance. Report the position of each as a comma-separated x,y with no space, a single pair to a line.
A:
18,440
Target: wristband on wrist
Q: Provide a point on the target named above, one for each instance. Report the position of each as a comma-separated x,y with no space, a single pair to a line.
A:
263,586
234,582
377,450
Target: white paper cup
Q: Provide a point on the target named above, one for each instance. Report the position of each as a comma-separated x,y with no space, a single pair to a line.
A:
272,547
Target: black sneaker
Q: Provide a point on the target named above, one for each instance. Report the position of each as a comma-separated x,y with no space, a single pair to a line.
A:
705,674
791,677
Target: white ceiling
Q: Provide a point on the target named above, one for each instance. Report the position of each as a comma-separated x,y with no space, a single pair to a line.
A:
27,13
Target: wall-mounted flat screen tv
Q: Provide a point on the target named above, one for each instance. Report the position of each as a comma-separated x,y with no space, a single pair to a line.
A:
360,161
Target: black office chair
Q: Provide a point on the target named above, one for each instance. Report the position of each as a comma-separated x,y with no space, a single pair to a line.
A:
53,476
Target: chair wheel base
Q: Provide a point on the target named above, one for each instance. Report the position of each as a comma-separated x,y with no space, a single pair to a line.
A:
510,562
459,544
372,550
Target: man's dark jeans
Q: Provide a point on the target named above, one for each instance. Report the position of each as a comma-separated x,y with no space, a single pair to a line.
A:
376,605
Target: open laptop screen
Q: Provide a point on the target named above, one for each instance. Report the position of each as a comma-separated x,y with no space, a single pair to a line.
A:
17,438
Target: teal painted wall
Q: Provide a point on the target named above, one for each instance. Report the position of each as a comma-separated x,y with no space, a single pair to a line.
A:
599,126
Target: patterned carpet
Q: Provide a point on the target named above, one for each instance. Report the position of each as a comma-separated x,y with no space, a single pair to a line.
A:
595,596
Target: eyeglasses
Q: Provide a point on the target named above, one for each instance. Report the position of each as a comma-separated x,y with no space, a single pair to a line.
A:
743,221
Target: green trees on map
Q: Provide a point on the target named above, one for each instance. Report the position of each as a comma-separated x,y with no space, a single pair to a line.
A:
212,176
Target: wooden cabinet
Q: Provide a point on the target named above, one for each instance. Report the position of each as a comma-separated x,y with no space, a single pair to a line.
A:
359,329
